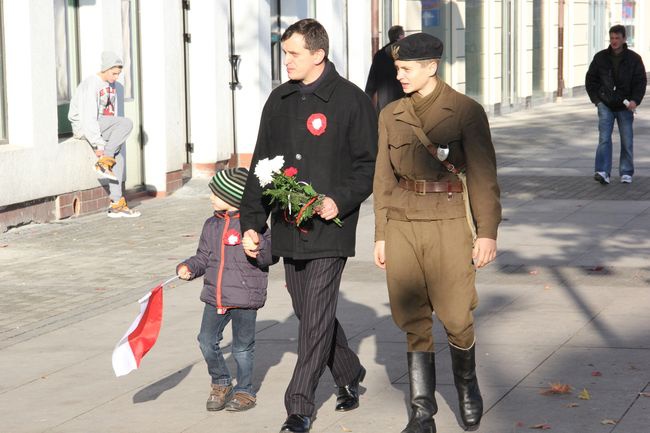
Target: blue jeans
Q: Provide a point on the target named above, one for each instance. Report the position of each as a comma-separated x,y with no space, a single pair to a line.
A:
624,119
243,346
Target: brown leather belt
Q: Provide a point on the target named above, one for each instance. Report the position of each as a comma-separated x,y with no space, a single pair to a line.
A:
430,186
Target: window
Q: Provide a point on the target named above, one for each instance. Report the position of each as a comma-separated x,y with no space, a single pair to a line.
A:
276,48
474,49
3,123
65,50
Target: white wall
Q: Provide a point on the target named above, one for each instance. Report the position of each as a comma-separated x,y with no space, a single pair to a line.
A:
162,90
252,23
359,41
34,164
576,43
210,96
331,14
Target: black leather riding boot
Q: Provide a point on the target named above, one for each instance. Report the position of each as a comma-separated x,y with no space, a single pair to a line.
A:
422,377
463,363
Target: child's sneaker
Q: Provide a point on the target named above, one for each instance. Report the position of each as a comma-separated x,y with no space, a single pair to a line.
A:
219,396
121,210
103,167
241,402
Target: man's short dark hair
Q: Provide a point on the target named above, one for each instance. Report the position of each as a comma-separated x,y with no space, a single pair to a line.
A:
394,33
617,29
314,33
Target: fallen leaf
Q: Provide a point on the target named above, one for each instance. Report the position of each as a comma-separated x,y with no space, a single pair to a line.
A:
557,388
584,394
596,373
608,422
644,394
572,405
541,426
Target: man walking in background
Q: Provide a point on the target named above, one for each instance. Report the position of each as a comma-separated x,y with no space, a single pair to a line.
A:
382,85
616,82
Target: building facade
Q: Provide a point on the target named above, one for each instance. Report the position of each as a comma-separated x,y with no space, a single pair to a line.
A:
197,74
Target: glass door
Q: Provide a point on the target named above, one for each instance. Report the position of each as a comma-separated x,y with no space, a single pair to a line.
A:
509,58
436,21
67,61
538,49
131,89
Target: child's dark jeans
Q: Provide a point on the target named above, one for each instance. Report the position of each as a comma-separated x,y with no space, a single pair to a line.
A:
243,345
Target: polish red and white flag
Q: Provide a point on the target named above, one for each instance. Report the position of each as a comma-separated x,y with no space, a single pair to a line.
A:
142,334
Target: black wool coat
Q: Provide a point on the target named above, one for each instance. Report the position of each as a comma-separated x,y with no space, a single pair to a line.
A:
335,154
382,78
629,83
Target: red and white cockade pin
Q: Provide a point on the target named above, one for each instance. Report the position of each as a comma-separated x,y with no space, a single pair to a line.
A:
232,237
317,123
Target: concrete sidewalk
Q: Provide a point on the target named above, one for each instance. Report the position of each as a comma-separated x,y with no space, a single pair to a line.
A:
565,302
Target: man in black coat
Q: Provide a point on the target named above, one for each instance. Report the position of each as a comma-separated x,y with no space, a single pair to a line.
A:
326,128
382,78
616,82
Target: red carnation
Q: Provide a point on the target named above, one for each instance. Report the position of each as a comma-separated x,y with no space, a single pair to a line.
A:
290,171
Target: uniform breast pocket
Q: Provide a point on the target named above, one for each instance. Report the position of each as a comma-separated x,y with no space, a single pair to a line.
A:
400,150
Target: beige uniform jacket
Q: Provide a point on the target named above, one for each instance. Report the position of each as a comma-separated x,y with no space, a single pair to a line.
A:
455,120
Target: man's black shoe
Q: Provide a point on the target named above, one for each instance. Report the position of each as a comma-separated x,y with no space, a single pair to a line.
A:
348,396
296,424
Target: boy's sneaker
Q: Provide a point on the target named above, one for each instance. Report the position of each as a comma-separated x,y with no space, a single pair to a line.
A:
121,210
219,396
241,402
601,177
104,166
626,178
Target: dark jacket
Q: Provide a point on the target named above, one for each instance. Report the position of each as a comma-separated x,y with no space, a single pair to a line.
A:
232,280
629,83
382,78
338,163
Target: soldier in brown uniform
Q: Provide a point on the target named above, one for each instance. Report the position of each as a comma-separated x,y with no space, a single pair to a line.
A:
437,210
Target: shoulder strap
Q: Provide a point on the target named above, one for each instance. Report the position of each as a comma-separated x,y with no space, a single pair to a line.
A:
452,169
433,149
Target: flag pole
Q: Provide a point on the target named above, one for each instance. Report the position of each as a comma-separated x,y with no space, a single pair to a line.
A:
170,280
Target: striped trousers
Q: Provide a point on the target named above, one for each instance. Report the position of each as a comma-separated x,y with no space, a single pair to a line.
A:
314,289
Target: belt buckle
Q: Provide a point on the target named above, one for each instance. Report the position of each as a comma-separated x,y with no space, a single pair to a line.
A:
420,187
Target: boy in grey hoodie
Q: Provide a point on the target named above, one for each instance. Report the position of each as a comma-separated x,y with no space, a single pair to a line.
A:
234,287
94,116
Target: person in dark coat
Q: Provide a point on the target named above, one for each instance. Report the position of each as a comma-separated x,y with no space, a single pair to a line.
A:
382,80
616,82
234,288
325,127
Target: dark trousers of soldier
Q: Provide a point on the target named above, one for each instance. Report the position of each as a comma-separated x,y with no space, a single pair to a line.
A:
314,289
429,268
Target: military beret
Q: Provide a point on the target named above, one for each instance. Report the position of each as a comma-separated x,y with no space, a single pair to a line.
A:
418,46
